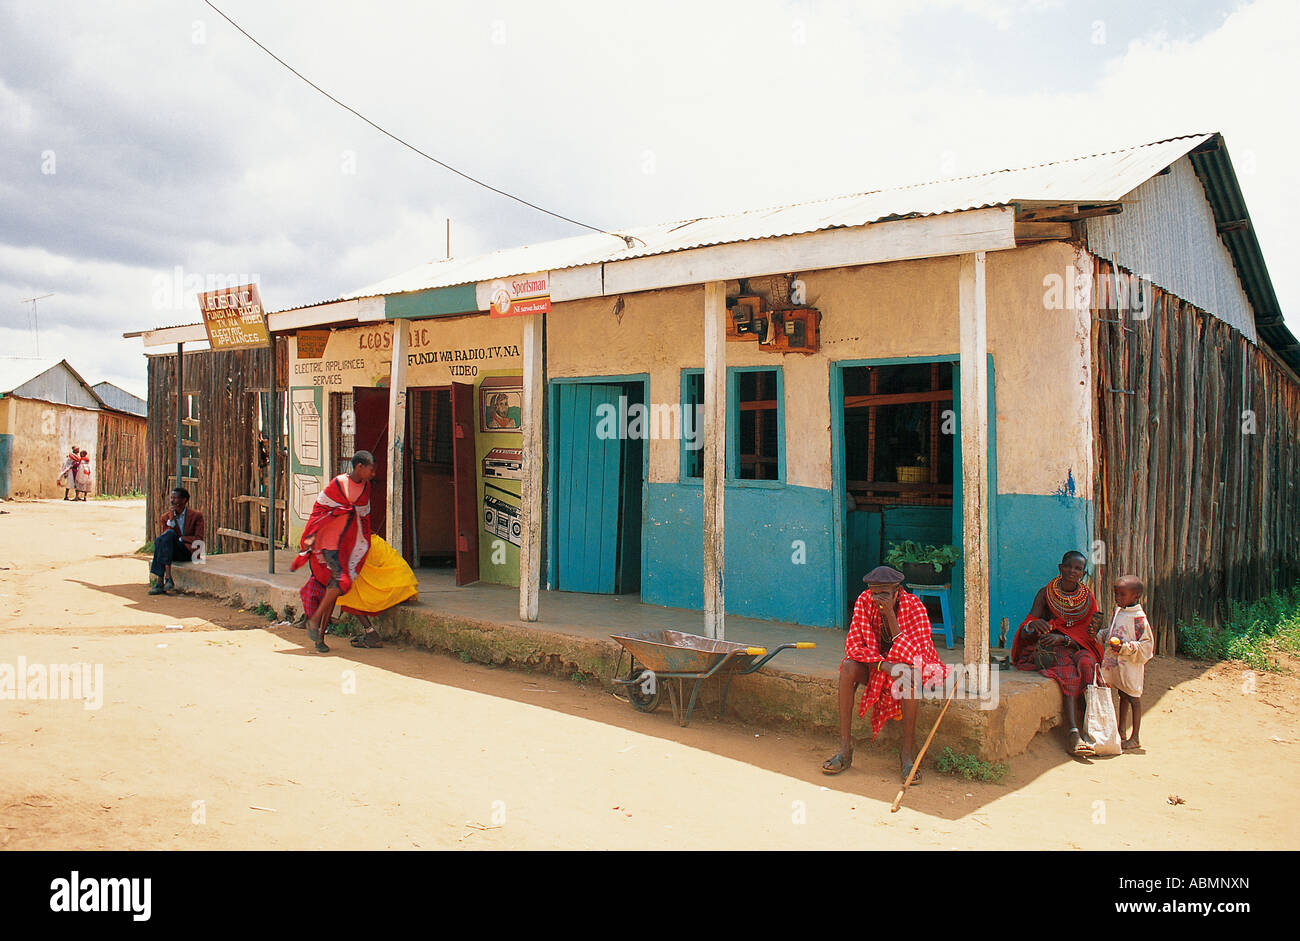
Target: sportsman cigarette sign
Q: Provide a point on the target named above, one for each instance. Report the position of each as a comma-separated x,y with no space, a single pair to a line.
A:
526,294
234,317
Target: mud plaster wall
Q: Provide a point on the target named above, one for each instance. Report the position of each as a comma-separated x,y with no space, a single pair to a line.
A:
1040,351
43,433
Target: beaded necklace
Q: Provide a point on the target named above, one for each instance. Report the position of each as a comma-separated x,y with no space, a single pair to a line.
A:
1067,605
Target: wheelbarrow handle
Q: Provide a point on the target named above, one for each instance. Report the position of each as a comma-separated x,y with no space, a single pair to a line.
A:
802,645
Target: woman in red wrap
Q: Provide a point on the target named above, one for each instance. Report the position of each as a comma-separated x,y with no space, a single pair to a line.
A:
337,540
1056,639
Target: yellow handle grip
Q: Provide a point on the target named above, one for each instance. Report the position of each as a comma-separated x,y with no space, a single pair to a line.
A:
805,645
756,651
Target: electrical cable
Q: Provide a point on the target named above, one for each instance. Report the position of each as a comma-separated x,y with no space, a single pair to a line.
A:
446,166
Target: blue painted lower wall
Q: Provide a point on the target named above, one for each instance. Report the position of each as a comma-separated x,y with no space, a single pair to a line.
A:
763,580
1033,532
766,574
6,466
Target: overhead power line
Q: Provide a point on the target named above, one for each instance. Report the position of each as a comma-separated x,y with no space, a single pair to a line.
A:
407,144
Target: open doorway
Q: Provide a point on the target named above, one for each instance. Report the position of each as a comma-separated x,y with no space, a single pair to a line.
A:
900,464
370,433
441,512
598,485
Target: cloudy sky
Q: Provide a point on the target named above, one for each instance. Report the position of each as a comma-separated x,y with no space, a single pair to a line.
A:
139,138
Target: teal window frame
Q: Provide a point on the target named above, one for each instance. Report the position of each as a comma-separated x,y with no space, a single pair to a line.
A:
733,428
684,469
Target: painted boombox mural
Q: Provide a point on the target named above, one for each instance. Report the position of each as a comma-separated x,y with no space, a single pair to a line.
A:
501,518
504,463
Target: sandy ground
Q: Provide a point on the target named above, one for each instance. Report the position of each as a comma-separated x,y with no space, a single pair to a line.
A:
227,734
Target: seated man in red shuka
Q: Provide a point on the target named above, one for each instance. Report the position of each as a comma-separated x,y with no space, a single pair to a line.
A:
888,650
337,539
1056,639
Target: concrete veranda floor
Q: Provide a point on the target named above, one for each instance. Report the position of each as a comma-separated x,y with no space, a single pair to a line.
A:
585,615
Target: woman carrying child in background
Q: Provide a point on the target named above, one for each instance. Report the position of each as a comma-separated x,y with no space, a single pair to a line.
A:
67,478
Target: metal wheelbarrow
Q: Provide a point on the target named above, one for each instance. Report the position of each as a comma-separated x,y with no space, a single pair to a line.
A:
668,656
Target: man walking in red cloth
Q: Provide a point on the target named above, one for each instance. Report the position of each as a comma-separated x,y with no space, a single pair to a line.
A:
337,539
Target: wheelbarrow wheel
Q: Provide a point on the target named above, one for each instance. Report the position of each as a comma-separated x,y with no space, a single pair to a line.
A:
638,698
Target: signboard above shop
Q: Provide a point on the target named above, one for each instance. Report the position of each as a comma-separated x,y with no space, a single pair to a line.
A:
522,295
234,317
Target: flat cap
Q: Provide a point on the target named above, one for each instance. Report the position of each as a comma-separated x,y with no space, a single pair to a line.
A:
883,575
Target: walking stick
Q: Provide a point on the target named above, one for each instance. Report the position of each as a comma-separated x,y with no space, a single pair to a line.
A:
898,799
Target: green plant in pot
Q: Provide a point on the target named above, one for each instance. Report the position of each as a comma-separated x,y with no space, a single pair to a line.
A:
923,565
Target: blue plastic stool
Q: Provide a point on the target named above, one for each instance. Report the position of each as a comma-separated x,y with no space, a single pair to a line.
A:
943,593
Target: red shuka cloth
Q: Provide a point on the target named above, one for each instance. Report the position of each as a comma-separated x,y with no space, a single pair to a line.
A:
913,646
354,542
1070,674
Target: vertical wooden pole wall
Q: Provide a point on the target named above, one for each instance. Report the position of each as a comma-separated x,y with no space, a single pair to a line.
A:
397,433
180,415
530,510
974,462
273,445
715,455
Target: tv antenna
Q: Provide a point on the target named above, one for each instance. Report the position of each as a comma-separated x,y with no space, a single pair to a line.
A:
36,328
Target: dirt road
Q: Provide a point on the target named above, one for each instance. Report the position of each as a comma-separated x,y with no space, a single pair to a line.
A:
228,735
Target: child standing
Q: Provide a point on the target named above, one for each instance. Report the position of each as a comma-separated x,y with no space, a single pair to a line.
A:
83,476
1128,645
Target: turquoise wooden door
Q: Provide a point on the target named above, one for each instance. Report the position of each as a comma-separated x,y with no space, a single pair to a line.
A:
587,505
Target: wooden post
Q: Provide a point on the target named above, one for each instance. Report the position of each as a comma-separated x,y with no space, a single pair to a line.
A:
974,463
530,507
180,416
273,444
715,455
397,433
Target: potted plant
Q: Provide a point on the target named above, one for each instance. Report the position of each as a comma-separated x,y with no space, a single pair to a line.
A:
923,565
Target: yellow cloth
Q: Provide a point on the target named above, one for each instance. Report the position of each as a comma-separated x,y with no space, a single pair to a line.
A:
384,580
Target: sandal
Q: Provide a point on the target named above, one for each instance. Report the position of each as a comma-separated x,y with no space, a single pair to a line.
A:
368,639
1081,748
903,769
837,764
316,637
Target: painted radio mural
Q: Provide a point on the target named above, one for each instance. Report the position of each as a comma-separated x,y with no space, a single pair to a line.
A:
501,514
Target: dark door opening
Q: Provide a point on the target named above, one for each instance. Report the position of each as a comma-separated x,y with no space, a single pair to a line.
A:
900,430
370,433
441,511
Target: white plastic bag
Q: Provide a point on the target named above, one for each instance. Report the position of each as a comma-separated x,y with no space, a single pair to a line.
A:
1101,726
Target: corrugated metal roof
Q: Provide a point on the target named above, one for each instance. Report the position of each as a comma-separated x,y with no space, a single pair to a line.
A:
1093,179
1214,167
116,397
1097,178
18,375
19,370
